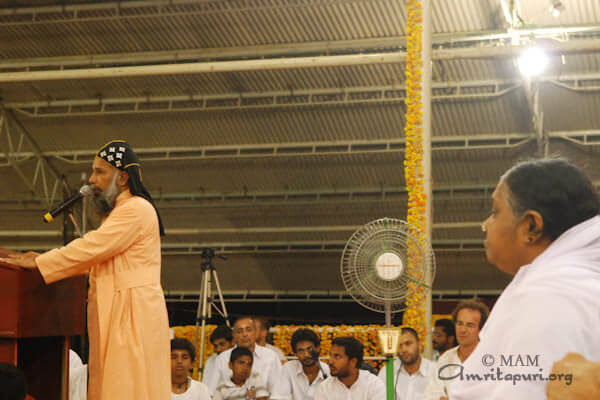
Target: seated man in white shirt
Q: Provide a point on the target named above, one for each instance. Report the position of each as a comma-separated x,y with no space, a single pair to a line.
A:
411,371
182,386
266,362
468,317
262,332
302,377
242,383
221,339
347,381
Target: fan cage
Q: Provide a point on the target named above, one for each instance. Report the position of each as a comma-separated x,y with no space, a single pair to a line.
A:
359,273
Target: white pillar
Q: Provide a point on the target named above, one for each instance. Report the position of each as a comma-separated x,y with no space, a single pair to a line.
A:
426,98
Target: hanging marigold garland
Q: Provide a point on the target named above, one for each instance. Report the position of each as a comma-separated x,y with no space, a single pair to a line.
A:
414,316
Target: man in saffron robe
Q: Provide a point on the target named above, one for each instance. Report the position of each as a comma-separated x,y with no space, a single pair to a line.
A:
127,318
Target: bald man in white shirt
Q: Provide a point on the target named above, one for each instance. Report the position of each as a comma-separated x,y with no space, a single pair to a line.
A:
266,362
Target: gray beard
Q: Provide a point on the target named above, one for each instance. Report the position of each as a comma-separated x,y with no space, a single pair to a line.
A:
99,205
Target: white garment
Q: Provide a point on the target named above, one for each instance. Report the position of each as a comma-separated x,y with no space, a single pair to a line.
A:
296,386
366,387
266,363
410,387
550,308
277,351
78,376
227,390
446,366
210,368
196,391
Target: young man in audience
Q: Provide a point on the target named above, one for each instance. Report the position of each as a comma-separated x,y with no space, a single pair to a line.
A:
347,381
266,362
182,386
302,377
221,339
468,317
411,371
242,383
444,336
262,328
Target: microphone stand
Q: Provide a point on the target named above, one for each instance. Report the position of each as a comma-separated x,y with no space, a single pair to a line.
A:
315,356
75,224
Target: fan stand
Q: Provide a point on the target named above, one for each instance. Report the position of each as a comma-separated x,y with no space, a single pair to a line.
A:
389,363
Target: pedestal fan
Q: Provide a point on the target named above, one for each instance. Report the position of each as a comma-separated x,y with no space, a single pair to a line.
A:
382,265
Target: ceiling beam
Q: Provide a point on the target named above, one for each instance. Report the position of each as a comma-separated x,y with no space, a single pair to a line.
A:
464,90
235,296
310,148
299,149
267,247
441,91
476,38
489,52
285,198
315,197
43,181
238,230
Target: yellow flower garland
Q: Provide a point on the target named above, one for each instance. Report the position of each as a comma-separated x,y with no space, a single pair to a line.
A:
414,316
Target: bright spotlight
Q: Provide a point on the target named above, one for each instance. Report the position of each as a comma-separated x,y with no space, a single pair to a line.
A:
532,62
556,7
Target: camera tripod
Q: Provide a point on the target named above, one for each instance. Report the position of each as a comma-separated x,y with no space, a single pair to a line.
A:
205,303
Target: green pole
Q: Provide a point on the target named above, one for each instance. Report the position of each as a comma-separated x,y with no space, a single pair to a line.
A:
389,378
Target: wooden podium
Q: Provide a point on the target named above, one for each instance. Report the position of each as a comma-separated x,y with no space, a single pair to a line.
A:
36,321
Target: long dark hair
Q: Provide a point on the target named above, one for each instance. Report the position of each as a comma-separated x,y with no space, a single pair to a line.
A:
137,188
562,194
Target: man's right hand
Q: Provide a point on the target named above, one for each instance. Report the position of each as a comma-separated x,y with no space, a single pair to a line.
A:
23,260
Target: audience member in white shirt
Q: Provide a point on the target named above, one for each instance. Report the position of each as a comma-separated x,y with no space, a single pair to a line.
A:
262,331
266,362
469,317
78,377
182,386
347,382
242,383
303,376
411,371
221,339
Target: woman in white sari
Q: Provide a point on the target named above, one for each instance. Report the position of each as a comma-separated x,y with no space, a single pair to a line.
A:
543,229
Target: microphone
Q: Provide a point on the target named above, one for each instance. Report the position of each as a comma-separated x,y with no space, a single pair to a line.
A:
85,190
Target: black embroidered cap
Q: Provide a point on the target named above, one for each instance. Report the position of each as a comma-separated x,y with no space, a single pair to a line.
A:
119,154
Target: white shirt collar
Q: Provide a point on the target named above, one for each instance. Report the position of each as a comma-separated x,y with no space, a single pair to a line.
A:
300,371
423,371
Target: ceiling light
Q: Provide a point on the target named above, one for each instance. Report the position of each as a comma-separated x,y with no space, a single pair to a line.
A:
532,62
556,7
